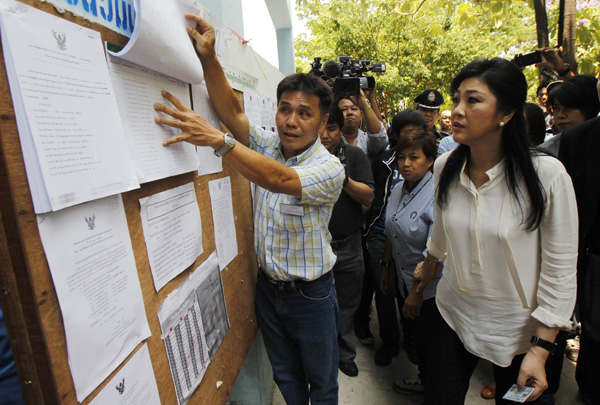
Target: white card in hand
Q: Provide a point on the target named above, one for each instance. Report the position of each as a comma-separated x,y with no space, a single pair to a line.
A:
513,394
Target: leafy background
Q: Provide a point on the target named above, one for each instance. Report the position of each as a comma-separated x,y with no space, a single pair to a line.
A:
424,43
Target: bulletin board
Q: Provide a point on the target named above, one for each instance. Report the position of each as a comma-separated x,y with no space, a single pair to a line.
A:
30,304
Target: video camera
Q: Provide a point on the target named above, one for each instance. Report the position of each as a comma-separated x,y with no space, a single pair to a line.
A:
346,74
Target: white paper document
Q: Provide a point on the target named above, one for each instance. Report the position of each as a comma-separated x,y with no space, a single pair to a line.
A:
252,107
208,284
267,109
92,265
223,220
172,230
183,331
134,384
69,126
137,89
209,163
160,40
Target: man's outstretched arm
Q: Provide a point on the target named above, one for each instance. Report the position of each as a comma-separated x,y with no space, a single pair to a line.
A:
222,96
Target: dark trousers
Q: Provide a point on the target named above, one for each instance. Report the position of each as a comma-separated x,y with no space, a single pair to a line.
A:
451,366
587,373
300,330
425,336
385,305
348,271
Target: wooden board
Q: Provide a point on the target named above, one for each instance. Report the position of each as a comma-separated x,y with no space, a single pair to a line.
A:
27,294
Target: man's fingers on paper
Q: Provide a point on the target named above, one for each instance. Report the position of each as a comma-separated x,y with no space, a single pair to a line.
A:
170,122
174,139
174,100
168,110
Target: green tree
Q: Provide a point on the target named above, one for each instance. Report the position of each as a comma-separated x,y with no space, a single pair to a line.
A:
423,42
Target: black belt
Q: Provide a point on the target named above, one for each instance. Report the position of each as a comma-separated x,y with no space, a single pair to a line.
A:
340,243
291,285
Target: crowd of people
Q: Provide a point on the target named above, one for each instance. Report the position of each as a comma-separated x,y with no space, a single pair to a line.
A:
478,241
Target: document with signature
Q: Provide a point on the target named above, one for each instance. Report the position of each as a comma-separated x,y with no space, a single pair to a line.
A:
69,125
134,384
94,273
172,230
137,89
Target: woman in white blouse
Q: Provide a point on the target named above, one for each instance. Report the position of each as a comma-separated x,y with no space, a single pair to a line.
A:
506,225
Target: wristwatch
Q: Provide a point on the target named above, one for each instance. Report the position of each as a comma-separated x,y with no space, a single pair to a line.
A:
544,344
565,70
229,143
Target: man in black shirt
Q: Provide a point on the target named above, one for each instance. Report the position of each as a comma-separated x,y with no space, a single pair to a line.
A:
345,229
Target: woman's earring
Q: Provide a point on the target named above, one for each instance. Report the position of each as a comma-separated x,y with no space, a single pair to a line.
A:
501,124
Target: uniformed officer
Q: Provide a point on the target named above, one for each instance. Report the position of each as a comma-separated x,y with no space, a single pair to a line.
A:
428,103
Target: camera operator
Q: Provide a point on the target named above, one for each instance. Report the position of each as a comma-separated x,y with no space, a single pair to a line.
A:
355,109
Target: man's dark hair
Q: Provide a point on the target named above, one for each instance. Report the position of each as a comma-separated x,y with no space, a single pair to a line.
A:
336,116
542,85
308,84
578,92
404,118
536,123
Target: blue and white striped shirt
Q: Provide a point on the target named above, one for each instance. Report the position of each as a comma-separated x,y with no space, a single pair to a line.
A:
408,223
289,246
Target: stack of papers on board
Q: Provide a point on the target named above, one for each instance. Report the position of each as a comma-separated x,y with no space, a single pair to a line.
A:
69,125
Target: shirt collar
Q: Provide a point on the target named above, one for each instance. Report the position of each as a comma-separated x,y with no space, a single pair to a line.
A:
304,155
492,173
419,186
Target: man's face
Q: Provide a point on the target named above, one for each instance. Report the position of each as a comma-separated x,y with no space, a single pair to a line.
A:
431,115
298,121
352,113
330,137
446,121
542,97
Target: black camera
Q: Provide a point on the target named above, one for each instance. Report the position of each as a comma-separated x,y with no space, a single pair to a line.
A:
347,75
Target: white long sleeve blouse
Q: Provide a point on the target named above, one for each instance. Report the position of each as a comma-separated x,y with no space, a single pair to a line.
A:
501,279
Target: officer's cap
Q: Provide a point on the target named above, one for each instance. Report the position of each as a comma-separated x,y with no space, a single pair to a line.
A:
430,98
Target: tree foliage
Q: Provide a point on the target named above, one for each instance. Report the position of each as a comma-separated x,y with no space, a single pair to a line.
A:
424,43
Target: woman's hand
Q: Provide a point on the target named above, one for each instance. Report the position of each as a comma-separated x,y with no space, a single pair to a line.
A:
424,273
533,372
412,304
384,279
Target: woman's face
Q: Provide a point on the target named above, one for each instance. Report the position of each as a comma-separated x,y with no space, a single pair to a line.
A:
565,117
413,164
474,115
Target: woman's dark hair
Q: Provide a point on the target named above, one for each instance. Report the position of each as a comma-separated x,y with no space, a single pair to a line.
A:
421,139
402,119
309,84
536,123
577,92
506,81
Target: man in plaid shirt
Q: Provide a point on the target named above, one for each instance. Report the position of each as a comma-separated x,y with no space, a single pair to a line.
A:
298,182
